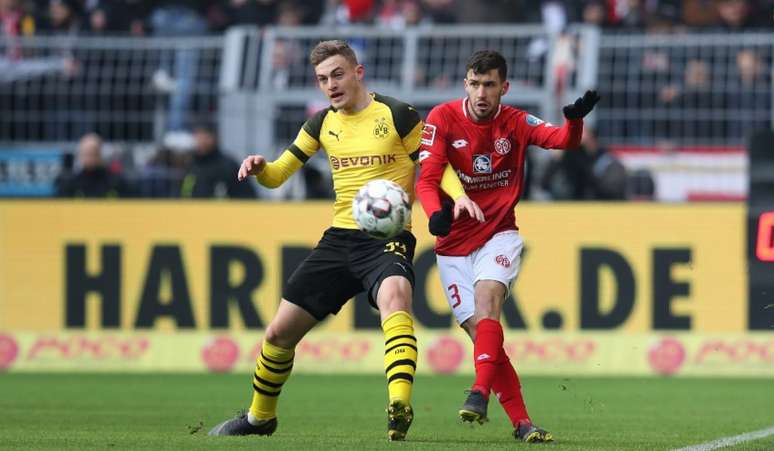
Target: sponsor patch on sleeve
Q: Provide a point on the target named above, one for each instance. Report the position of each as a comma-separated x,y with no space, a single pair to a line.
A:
423,155
533,121
428,135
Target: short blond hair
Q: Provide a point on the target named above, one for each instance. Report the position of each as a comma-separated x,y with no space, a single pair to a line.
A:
326,49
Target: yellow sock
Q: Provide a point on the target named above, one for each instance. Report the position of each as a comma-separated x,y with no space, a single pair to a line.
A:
400,355
272,369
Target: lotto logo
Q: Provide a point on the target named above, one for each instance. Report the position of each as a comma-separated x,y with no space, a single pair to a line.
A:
459,143
503,261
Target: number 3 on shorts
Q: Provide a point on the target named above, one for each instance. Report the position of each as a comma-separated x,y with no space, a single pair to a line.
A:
454,293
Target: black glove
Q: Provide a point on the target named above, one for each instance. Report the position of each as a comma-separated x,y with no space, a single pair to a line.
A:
441,221
582,106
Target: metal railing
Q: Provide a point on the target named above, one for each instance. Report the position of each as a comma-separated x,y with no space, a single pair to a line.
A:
661,94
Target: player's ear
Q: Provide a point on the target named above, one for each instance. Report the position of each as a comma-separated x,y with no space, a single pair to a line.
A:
506,87
360,72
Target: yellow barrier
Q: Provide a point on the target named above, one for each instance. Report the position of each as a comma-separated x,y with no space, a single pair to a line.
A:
188,286
203,266
589,353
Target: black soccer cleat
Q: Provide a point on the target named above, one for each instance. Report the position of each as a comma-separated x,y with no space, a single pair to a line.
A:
528,432
399,418
474,408
240,426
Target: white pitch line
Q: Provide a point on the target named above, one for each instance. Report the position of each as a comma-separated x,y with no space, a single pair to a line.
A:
729,441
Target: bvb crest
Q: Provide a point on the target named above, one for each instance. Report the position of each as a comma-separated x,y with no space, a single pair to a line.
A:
381,130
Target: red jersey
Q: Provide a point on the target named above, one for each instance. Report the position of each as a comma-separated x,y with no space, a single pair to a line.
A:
488,157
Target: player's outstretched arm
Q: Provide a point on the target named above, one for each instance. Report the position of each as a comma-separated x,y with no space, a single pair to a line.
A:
569,135
270,174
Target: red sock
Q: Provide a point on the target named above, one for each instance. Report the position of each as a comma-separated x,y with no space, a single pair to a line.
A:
507,389
486,352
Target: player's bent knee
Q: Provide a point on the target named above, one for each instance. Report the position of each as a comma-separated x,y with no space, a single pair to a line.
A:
486,307
394,304
394,295
280,337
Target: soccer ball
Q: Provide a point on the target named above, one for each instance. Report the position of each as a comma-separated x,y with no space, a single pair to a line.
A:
381,208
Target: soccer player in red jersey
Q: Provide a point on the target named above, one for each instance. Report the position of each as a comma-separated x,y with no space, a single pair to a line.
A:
478,258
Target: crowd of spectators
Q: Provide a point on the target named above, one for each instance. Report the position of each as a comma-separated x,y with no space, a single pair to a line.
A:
198,170
144,17
675,83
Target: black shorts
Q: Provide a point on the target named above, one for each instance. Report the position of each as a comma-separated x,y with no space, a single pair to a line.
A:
347,262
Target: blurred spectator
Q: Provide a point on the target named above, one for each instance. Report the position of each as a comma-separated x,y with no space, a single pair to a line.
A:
594,13
637,15
497,11
175,18
345,12
15,19
588,173
289,14
241,12
440,11
62,18
699,13
163,175
389,15
14,22
686,105
748,99
126,16
98,21
115,16
641,185
399,14
736,16
626,14
413,16
286,54
93,179
212,173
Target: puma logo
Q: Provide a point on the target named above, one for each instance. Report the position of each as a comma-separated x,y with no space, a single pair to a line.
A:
330,132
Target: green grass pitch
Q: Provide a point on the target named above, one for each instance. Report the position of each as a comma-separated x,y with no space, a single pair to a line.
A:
155,412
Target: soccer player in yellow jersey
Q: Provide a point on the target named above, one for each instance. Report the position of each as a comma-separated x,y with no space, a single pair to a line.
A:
366,136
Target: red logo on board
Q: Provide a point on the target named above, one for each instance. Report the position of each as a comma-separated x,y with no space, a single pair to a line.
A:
667,356
220,354
445,355
9,350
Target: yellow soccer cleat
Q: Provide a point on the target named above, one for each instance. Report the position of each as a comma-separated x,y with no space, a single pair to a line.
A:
528,432
399,418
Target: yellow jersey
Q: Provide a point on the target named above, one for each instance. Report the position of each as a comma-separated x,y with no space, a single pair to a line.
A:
379,142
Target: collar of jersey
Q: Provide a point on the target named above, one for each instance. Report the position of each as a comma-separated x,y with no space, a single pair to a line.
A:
486,122
370,104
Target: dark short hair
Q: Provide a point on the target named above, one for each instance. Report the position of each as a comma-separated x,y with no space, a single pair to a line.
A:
326,49
483,61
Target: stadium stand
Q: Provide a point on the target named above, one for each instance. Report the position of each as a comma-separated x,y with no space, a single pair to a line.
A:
682,87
